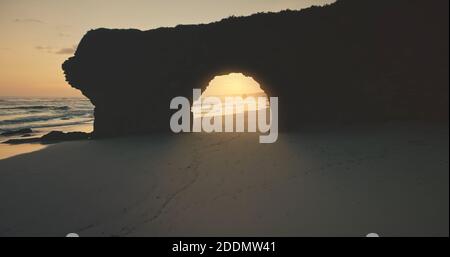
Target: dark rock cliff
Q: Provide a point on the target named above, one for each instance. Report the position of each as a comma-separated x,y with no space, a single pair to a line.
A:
352,61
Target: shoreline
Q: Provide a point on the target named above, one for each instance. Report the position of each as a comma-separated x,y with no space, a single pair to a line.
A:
10,150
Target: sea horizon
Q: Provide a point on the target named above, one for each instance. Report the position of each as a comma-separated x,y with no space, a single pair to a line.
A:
43,113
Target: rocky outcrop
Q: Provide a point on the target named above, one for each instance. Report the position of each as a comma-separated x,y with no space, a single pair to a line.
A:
25,131
51,137
350,61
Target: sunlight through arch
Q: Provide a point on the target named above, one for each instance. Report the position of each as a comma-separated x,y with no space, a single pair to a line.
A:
226,86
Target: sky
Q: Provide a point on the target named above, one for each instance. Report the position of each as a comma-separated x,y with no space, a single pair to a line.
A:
38,35
232,84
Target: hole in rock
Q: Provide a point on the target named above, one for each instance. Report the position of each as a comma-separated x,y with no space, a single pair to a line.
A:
223,93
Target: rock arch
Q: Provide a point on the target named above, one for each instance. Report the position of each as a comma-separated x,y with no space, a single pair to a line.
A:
352,61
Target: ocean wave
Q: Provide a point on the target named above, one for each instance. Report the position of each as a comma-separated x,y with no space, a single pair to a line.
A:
37,107
16,113
29,119
48,125
41,118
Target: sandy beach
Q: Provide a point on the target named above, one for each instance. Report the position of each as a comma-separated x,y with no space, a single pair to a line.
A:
391,179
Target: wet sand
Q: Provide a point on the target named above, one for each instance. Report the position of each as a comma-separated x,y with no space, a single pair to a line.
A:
8,150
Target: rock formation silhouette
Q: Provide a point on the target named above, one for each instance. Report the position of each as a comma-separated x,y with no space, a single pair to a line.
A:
351,61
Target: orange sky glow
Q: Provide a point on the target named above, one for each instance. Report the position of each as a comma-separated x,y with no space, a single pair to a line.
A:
37,36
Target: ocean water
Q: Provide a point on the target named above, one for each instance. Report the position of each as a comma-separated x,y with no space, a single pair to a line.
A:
208,107
44,114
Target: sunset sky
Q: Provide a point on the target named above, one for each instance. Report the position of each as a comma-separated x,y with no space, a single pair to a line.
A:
37,36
